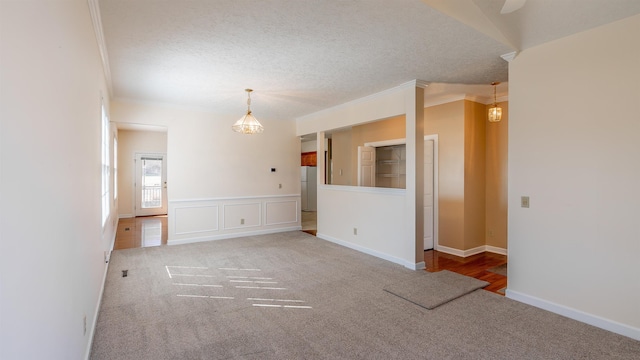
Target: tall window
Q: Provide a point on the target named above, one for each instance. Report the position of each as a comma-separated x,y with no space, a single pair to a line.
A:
106,199
115,168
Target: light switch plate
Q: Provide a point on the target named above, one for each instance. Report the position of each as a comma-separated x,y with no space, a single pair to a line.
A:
524,201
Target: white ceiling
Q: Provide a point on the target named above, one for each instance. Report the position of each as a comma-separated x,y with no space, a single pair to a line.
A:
302,56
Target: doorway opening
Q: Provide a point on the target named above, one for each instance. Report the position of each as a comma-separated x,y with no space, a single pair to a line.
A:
150,185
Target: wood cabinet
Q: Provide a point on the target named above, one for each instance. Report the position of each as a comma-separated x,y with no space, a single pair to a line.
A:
309,159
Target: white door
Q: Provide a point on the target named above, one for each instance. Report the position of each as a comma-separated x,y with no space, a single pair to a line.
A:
428,194
151,184
366,166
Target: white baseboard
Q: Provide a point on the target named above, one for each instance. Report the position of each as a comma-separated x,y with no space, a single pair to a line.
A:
574,314
125,216
495,250
92,331
473,251
231,235
413,266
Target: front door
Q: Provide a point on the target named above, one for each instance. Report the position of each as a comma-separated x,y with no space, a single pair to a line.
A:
151,184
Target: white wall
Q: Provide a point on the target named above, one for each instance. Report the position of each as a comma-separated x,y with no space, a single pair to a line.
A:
211,170
574,148
52,244
308,146
388,221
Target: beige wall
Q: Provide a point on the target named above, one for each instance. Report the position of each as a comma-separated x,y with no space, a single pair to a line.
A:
130,143
574,150
496,179
206,159
341,152
447,120
472,174
52,253
475,119
387,129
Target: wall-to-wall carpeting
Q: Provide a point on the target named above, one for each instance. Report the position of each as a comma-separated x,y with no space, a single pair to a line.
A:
294,296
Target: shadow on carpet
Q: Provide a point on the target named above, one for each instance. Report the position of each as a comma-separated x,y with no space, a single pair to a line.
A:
430,290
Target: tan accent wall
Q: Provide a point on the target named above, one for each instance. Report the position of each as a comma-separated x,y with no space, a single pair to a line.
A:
472,174
496,179
388,129
341,152
475,119
447,120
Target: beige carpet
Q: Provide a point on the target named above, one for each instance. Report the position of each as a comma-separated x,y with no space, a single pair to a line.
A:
294,296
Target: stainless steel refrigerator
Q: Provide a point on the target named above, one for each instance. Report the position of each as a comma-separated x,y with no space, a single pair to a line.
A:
309,179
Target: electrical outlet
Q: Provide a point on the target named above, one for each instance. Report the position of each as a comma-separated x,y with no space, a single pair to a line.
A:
84,324
524,201
279,186
355,231
241,221
490,233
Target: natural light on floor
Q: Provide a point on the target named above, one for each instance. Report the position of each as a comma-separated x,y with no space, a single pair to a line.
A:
199,277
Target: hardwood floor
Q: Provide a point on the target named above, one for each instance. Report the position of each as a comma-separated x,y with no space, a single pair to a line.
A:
310,222
141,231
475,266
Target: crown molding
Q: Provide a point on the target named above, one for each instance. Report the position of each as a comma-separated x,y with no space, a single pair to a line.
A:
96,20
508,57
434,101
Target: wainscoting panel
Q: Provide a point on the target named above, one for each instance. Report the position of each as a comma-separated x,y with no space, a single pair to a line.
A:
241,216
195,220
281,212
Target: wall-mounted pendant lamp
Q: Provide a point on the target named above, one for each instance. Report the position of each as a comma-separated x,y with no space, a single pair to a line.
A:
495,112
248,124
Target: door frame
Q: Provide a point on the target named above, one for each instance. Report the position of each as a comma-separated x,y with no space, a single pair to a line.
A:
136,204
436,217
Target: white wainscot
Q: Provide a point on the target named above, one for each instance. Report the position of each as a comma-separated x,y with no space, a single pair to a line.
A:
195,220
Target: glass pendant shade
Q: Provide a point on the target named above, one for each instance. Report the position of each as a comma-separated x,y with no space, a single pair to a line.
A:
248,124
495,113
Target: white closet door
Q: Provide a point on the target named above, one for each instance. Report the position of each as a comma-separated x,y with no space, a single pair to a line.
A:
366,166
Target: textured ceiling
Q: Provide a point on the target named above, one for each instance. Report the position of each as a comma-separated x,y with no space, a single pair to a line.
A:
300,56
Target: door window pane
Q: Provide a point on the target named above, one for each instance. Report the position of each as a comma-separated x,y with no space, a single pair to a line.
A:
151,183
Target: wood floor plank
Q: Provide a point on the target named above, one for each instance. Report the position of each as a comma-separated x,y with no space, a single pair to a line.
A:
475,266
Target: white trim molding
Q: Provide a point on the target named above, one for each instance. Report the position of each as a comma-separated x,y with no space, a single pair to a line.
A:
508,57
495,250
472,251
195,220
96,20
574,314
413,266
232,236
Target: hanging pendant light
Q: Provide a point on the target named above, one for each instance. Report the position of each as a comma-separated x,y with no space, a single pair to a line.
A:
495,112
248,124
